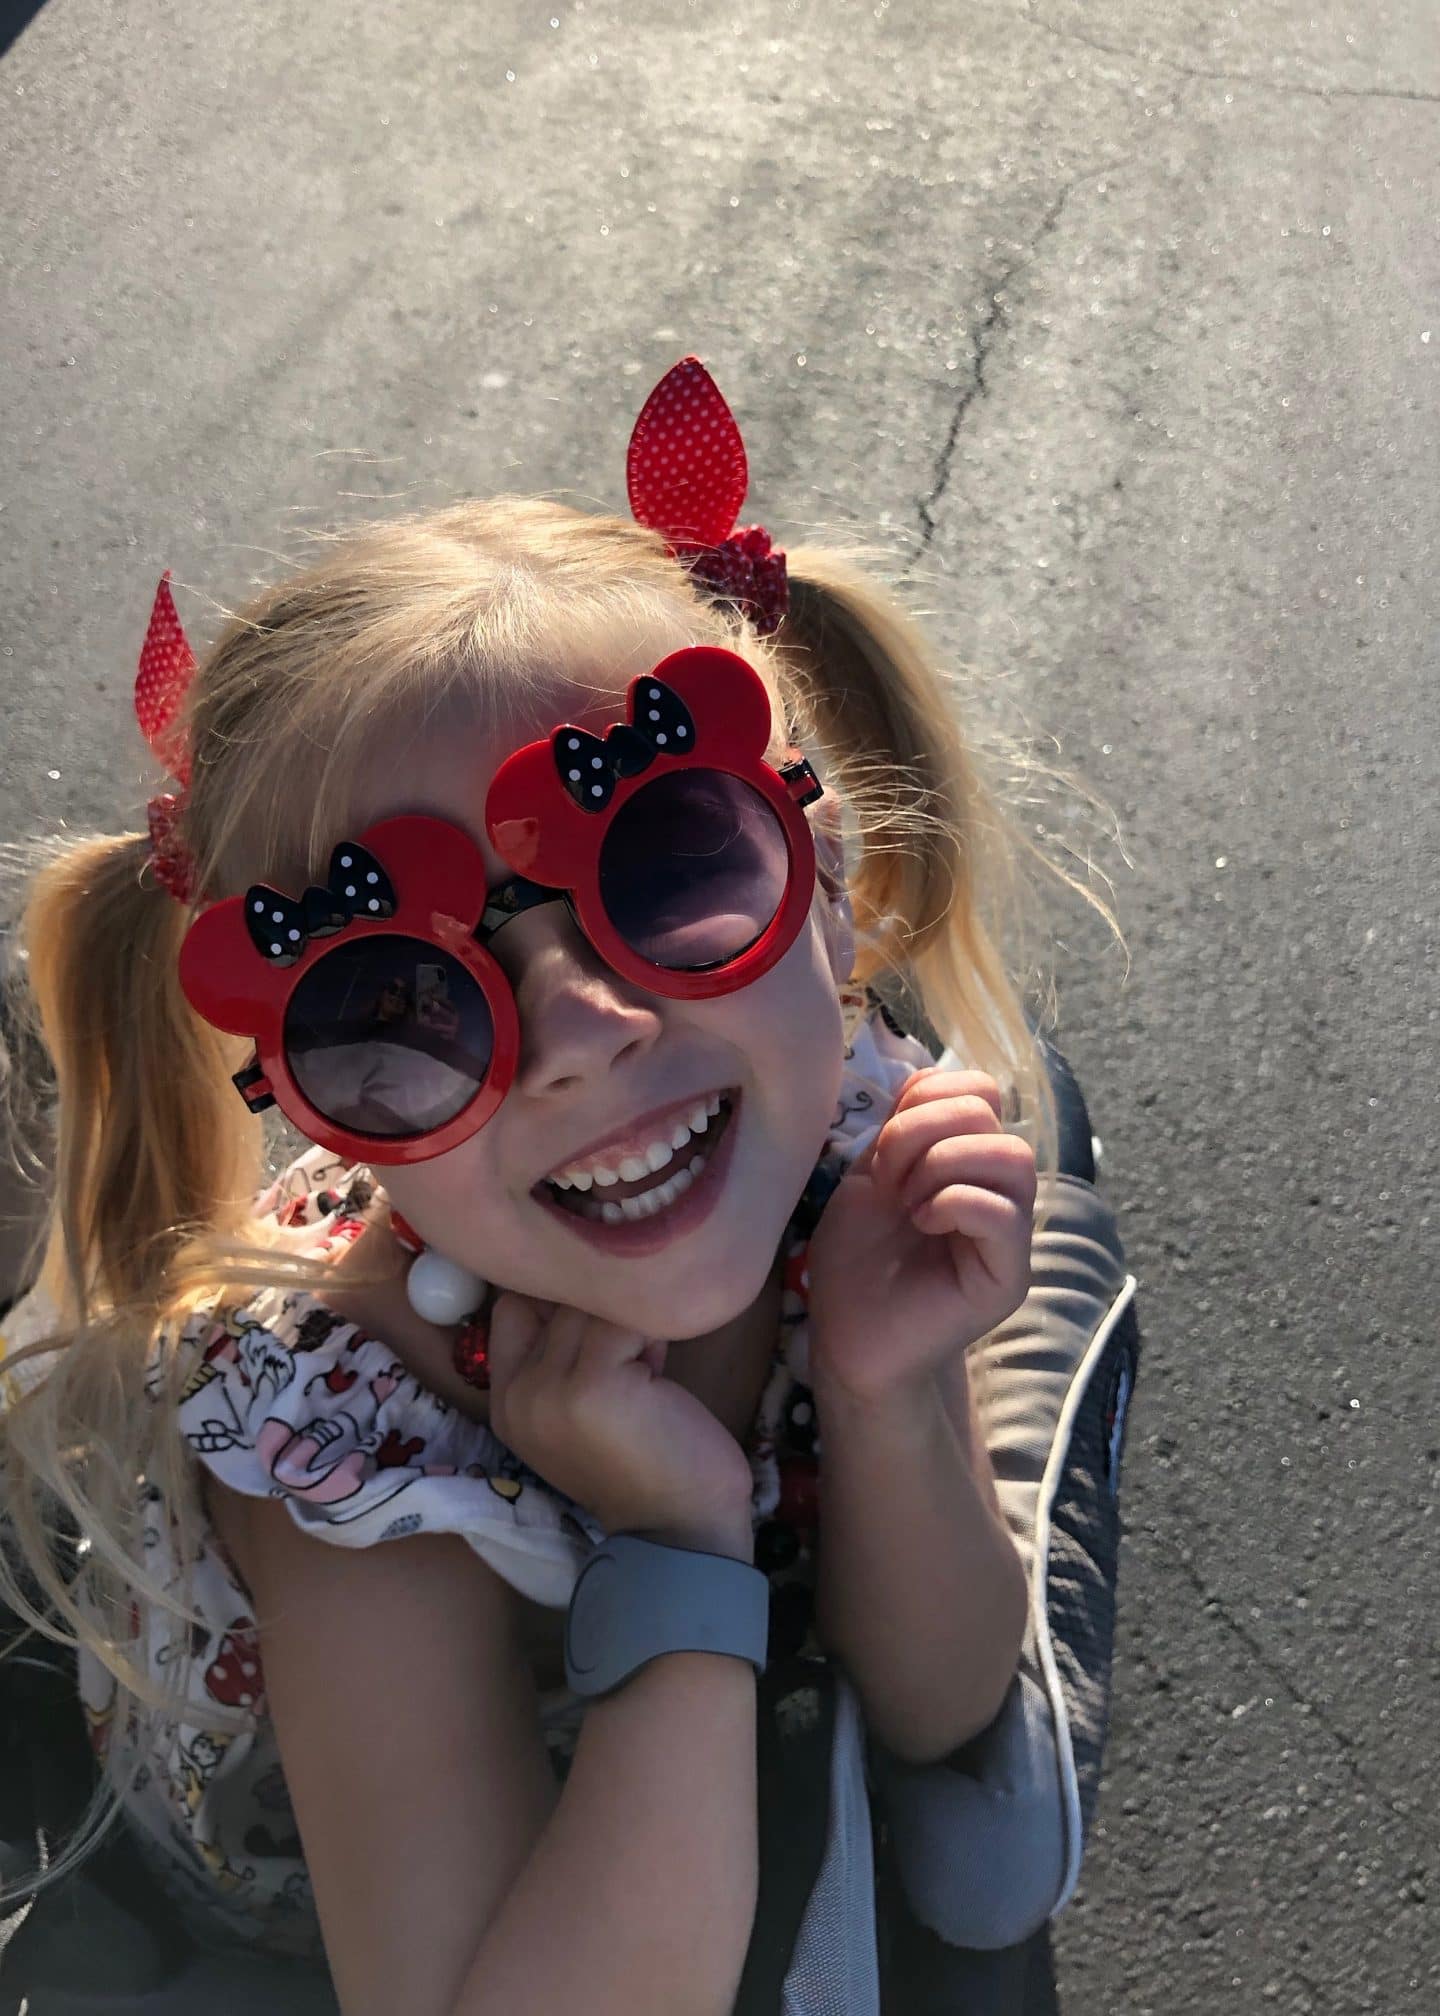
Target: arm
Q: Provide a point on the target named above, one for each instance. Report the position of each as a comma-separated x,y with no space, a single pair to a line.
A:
920,1593
453,1876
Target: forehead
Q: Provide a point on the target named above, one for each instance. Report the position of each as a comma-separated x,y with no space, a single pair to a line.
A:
442,765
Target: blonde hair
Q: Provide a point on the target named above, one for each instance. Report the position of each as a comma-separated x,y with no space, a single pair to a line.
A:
155,1160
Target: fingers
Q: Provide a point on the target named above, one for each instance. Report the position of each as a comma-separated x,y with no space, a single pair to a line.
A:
609,1345
547,1342
934,1106
1001,1166
997,1251
921,1088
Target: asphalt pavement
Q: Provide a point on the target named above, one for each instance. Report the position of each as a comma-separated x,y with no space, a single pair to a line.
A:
1117,326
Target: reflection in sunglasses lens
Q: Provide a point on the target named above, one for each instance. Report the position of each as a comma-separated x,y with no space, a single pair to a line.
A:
388,1036
693,869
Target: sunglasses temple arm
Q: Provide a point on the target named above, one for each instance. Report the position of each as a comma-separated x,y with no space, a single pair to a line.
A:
254,1087
800,780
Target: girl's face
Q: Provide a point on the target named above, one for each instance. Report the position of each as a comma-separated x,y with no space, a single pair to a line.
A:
599,1053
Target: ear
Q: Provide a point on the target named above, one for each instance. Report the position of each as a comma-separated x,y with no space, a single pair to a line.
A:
837,921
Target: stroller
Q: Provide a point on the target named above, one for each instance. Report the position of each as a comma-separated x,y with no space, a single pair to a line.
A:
964,1861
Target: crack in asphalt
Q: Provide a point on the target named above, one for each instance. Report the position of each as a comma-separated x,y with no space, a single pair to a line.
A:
1344,1743
996,315
1384,95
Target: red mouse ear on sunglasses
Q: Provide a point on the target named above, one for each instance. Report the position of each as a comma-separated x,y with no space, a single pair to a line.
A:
222,976
422,876
702,705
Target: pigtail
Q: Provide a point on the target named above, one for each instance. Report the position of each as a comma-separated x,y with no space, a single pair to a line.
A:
150,1154
944,918
151,1144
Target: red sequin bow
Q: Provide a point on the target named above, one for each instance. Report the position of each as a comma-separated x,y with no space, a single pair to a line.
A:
167,665
687,475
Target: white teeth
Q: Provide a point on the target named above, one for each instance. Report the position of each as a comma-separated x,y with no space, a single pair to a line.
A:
633,1208
653,1158
628,1210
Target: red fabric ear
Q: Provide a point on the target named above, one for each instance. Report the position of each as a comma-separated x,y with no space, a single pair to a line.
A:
686,470
167,665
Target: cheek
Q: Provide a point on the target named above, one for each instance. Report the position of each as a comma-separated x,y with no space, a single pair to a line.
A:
793,1029
453,1200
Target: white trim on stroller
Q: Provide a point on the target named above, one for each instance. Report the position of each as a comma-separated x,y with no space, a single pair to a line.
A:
1039,1592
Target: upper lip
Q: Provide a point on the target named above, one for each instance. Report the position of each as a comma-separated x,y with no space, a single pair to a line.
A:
637,1134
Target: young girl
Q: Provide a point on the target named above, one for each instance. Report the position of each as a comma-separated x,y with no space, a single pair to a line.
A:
539,869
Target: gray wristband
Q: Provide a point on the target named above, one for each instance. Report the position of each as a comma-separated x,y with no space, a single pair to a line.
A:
635,1599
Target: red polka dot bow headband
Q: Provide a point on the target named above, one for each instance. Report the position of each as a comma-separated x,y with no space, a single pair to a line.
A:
686,474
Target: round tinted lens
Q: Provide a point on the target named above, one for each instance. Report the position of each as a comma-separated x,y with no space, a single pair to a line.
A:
693,869
388,1036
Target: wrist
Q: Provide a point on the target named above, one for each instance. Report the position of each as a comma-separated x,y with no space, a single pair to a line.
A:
730,1534
900,1415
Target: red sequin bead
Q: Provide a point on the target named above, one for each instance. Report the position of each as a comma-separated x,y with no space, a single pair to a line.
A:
472,1354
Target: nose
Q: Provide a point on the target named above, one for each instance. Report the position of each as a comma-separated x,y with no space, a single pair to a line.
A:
578,1017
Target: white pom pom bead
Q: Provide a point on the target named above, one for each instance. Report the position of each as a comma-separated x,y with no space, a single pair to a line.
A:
441,1290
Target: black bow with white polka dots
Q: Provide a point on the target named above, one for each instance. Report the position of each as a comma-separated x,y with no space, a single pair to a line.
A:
661,725
280,928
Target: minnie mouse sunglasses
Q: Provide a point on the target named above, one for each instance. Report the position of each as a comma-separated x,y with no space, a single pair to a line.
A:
383,1027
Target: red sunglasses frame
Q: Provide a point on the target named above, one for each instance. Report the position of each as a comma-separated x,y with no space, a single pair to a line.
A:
538,824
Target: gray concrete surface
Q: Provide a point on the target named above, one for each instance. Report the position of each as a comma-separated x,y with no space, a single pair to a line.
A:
1119,325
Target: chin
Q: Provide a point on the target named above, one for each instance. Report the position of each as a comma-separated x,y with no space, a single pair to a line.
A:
703,1291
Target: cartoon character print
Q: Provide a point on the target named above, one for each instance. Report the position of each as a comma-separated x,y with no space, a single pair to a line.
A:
329,1459
239,1341
319,1181
199,1760
272,1795
262,1366
344,1232
315,1329
324,1461
220,1347
235,1676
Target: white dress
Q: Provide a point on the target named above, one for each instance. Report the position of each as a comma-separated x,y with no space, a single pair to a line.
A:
286,1400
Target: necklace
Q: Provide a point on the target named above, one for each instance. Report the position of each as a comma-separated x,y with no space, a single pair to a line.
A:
444,1292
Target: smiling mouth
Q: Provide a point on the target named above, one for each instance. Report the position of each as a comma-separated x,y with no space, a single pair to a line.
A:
629,1202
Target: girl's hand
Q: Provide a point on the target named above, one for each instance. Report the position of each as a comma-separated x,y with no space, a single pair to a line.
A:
925,1245
585,1404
